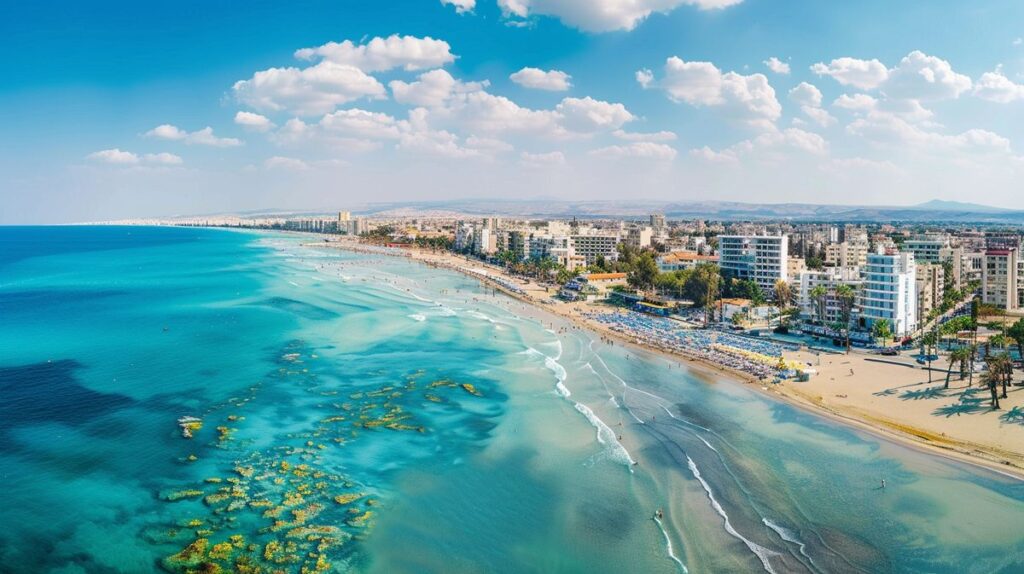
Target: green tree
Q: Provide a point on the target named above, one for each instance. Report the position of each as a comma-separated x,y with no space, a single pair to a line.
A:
1016,332
783,294
644,273
881,330
818,294
702,287
846,295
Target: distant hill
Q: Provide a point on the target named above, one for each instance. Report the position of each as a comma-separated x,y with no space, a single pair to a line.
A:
942,205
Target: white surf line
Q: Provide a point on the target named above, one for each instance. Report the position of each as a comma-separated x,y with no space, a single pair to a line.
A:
668,545
292,282
789,536
760,551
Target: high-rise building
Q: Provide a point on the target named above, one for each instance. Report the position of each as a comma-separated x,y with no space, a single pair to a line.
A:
639,237
763,258
590,247
931,283
846,254
1002,272
829,310
927,248
890,291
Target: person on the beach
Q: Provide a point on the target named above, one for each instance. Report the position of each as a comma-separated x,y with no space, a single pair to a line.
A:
883,483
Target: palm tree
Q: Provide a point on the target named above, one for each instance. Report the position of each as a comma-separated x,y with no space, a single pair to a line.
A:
990,379
783,294
972,351
928,341
955,356
1004,368
818,294
846,296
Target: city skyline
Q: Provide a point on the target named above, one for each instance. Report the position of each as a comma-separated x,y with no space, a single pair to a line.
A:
123,111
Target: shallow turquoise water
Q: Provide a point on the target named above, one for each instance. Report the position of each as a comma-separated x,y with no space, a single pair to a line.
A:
305,356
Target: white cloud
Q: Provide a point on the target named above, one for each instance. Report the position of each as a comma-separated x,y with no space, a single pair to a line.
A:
253,121
662,136
645,78
749,99
890,129
768,147
861,74
922,77
285,163
432,89
918,76
486,114
1018,41
537,79
776,65
461,6
603,15
126,158
588,114
382,54
996,87
638,150
308,91
114,156
809,97
162,158
204,136
855,102
361,124
541,160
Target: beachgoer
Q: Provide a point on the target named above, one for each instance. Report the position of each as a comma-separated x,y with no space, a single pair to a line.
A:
883,483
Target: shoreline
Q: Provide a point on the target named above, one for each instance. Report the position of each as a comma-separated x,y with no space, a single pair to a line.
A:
981,456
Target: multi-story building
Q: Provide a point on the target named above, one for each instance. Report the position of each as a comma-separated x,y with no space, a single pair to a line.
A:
463,235
890,291
762,258
927,248
1001,284
846,254
485,241
931,283
639,237
592,246
679,260
830,278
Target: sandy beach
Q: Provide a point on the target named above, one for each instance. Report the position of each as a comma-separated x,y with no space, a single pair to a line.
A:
893,401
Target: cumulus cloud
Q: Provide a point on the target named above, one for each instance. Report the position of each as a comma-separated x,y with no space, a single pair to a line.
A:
307,91
204,136
996,87
116,156
382,54
662,136
923,77
588,114
890,129
603,15
645,78
769,147
638,150
361,124
776,65
461,6
917,76
254,122
861,74
749,99
432,89
537,79
863,104
809,98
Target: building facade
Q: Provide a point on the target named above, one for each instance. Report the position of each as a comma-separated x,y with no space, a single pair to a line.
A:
761,258
889,292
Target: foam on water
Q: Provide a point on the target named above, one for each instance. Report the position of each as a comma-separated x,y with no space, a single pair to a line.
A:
668,546
789,536
417,317
606,436
761,552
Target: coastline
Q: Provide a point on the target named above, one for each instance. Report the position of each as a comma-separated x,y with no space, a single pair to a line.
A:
1005,463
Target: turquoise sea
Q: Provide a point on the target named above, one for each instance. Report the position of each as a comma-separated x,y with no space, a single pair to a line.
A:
362,413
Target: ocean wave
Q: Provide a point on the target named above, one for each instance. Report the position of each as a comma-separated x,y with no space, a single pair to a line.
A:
789,536
668,545
761,552
606,436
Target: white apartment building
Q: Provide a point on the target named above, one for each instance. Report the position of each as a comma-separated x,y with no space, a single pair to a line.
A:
592,246
463,235
485,241
639,237
763,258
927,248
890,291
830,278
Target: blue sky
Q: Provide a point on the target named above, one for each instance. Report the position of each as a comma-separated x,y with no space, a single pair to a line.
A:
105,107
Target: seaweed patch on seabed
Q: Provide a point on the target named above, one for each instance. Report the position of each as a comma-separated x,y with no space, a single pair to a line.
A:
280,509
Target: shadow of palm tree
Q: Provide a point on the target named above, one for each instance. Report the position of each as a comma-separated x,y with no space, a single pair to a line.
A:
885,393
966,406
929,393
1013,416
